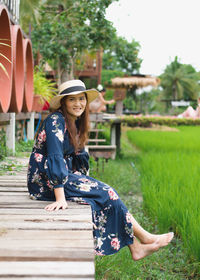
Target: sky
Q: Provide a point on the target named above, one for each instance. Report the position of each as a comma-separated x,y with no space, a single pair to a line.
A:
164,29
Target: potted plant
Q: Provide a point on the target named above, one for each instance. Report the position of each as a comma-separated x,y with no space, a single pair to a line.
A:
44,89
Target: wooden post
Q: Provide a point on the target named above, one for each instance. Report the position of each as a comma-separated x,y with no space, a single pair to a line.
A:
115,135
119,96
30,127
119,108
10,134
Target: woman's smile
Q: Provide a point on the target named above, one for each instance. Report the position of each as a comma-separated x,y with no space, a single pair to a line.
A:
75,105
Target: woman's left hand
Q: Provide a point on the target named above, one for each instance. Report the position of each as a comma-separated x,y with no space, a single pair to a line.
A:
61,204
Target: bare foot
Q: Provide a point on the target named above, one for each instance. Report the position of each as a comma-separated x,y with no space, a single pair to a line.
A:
151,238
139,251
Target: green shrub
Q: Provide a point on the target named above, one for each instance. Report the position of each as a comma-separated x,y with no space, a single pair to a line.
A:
147,121
42,86
3,144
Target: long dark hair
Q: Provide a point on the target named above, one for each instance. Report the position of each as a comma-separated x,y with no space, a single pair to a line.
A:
78,131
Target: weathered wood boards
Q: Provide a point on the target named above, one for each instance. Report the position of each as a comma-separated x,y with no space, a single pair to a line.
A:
37,244
51,269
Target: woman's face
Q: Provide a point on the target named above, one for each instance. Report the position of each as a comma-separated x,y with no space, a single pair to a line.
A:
75,105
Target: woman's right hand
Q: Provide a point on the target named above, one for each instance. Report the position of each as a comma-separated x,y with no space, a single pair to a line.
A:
55,206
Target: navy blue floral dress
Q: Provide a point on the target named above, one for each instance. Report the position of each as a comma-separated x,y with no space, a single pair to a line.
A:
53,164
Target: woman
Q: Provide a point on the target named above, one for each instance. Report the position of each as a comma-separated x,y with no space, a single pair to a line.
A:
99,104
57,172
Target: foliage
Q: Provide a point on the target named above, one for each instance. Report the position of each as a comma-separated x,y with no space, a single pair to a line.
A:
3,144
9,165
28,14
170,180
180,81
169,263
42,86
122,56
108,75
68,28
22,146
148,121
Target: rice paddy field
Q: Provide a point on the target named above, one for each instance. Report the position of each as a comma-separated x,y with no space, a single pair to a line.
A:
168,163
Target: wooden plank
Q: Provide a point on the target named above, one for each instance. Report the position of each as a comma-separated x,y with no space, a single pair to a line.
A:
13,184
18,200
4,117
13,181
47,254
67,212
46,234
15,198
42,224
14,177
12,189
97,140
102,147
14,193
46,278
48,268
96,129
49,217
55,244
36,204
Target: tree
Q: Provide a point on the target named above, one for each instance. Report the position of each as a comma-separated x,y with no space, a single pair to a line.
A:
122,56
68,28
28,13
180,81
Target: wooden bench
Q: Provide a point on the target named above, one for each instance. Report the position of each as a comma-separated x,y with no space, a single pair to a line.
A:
36,244
99,151
102,151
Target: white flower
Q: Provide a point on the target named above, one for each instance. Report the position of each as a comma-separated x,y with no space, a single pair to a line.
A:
84,187
60,136
99,242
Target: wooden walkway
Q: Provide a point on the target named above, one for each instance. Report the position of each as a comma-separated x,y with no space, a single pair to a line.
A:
36,244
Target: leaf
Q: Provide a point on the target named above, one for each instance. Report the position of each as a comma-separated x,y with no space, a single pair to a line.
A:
4,69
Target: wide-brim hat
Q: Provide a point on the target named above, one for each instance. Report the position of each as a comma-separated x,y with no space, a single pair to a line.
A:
72,87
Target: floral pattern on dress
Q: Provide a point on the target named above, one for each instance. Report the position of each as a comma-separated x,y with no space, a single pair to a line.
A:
38,157
84,184
78,200
36,178
58,132
115,243
41,138
112,194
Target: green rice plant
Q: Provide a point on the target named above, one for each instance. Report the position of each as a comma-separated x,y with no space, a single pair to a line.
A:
169,165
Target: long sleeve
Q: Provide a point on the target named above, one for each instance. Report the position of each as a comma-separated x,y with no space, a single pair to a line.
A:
55,165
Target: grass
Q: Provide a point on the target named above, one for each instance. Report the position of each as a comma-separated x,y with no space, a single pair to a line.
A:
23,148
10,164
169,164
172,262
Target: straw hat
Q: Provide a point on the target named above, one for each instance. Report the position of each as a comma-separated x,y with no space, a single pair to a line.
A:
72,87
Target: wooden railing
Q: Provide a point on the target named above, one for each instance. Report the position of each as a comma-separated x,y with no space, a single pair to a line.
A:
13,8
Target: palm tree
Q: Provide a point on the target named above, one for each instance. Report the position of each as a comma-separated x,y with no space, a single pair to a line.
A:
180,81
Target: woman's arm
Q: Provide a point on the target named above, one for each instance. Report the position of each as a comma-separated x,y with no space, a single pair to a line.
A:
60,202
